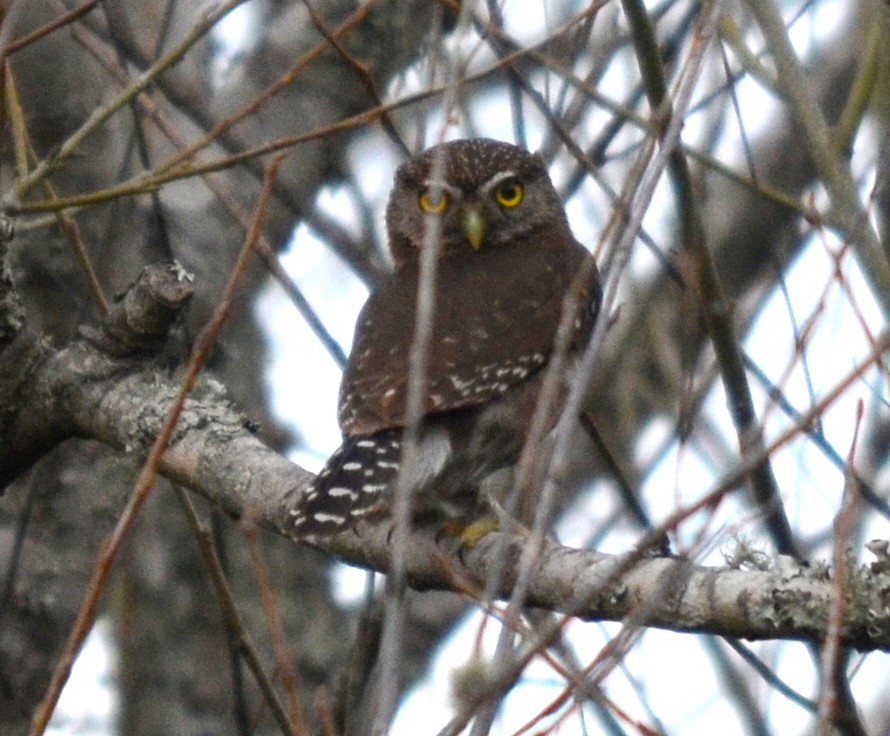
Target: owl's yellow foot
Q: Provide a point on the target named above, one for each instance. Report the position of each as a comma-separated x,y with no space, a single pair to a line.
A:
470,534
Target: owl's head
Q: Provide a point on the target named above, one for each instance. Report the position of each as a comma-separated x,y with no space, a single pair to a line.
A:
482,194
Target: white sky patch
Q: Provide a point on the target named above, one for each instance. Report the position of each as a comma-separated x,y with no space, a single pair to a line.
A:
233,35
349,585
89,703
304,377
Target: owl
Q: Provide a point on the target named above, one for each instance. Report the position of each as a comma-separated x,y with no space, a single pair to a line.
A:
506,261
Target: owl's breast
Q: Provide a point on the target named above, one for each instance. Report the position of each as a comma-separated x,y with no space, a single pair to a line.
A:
496,314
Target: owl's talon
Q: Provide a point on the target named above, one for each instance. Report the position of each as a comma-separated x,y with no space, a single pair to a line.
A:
471,534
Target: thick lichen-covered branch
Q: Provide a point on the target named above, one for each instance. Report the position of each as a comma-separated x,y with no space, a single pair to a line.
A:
107,385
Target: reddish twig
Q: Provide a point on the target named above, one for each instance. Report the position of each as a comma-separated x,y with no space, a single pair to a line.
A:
283,657
145,482
39,33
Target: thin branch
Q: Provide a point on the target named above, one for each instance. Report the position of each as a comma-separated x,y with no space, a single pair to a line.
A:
833,654
45,30
232,619
283,657
714,308
833,169
145,482
213,453
102,113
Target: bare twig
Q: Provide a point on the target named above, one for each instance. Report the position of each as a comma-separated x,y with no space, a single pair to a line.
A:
145,482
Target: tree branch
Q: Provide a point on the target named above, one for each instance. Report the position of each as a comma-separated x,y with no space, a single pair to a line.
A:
101,386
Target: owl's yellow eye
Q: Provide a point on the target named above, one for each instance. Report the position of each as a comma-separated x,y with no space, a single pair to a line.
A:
435,203
509,194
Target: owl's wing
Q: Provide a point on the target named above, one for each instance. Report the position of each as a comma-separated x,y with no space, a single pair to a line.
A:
496,318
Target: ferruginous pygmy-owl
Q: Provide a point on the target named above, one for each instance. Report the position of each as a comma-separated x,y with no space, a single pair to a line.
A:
507,260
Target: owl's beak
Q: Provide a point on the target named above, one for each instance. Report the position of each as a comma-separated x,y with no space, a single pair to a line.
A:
474,225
